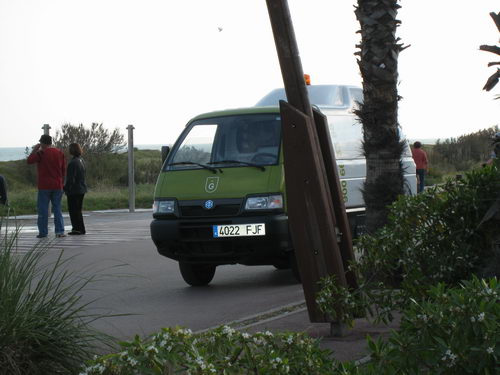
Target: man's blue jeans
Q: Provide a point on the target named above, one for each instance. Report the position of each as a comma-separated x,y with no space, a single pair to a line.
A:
44,197
421,182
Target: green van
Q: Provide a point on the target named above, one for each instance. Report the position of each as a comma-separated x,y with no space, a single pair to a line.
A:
220,197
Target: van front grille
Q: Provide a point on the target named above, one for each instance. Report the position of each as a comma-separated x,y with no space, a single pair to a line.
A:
222,207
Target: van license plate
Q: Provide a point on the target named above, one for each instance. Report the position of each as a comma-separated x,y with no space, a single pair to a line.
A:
239,230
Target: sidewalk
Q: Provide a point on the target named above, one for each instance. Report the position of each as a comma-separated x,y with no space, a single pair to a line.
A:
351,347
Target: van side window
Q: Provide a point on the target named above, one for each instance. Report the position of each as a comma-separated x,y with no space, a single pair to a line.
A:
356,96
347,136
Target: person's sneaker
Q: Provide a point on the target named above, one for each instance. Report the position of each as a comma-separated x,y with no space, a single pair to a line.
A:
41,236
74,233
60,235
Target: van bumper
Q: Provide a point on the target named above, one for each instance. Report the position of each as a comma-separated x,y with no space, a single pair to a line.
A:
192,241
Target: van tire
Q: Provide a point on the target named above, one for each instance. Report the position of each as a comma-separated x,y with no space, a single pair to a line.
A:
282,264
197,274
294,266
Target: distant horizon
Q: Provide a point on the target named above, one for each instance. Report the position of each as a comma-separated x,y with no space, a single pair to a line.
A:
18,153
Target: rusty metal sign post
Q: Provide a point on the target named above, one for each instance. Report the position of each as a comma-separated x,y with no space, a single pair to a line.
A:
318,222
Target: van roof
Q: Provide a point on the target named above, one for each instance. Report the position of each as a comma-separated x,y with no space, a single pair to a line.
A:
323,96
329,98
237,111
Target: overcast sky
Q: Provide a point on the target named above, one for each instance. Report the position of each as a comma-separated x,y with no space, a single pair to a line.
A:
157,63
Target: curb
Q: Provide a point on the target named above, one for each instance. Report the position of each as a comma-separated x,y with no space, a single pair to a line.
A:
262,317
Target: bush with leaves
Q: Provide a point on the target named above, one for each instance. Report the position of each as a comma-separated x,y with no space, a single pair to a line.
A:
44,326
452,331
220,351
95,139
431,237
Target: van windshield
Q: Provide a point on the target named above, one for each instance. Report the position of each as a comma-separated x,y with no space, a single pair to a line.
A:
239,140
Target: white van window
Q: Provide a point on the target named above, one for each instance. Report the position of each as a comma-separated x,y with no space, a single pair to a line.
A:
356,95
320,95
229,141
347,136
196,146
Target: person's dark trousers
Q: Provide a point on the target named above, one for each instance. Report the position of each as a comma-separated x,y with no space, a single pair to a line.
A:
75,203
421,177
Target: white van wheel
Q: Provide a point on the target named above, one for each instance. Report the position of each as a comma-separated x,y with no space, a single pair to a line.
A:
197,274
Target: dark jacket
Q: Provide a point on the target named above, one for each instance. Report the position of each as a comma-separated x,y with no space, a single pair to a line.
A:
3,190
75,177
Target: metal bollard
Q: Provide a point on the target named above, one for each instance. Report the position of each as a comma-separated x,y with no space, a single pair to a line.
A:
131,169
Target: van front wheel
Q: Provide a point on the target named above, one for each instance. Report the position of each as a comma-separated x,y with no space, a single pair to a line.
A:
197,274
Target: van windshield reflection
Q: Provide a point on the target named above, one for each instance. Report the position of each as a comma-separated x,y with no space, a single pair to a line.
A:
252,140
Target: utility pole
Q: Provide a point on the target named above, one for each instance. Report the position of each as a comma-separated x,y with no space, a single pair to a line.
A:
317,219
131,169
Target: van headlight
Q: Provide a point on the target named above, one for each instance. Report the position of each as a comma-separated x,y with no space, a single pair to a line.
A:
164,207
267,202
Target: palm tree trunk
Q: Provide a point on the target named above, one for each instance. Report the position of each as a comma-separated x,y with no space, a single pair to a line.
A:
383,147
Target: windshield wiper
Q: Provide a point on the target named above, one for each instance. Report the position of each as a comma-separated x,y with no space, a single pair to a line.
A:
261,167
211,169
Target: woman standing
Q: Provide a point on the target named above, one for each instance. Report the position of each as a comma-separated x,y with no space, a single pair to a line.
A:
75,188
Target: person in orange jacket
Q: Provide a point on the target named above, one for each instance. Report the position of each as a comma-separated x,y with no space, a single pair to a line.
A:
422,163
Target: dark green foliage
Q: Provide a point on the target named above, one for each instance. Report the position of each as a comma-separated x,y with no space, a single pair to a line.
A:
223,350
432,237
462,153
452,331
44,328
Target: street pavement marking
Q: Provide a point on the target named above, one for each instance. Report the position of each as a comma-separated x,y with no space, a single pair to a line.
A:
97,234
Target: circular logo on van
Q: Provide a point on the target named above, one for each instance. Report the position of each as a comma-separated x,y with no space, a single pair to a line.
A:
209,204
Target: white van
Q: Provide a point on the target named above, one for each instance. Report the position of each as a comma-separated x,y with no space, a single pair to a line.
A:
337,103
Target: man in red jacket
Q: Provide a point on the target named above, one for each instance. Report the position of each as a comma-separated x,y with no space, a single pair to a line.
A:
420,158
51,168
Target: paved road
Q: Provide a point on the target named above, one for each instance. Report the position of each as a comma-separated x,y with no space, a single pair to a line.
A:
139,281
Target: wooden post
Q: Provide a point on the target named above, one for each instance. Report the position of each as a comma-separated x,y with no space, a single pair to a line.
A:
310,214
309,167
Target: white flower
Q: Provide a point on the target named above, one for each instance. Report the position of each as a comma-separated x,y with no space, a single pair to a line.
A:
489,350
132,361
268,333
228,331
480,317
245,335
151,348
472,319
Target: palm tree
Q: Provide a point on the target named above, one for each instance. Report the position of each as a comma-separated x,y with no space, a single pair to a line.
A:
382,145
493,80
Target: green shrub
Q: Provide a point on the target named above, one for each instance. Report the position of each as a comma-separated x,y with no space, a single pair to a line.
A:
219,351
453,331
432,237
44,328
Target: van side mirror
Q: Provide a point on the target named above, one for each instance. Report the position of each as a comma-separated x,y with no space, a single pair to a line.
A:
164,153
